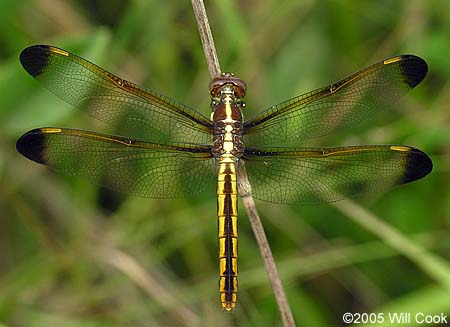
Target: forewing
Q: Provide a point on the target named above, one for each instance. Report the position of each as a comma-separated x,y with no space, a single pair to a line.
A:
337,106
312,176
144,169
132,110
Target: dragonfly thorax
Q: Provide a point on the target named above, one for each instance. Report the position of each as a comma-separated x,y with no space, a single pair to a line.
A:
227,92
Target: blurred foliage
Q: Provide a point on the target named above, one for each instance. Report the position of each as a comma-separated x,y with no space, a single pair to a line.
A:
73,254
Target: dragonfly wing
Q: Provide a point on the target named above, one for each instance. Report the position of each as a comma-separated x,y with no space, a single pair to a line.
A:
153,170
134,111
311,176
339,105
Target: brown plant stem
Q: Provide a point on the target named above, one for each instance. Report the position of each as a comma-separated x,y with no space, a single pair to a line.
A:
245,193
206,37
264,248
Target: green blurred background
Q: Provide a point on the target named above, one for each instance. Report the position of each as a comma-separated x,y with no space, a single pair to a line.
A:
73,254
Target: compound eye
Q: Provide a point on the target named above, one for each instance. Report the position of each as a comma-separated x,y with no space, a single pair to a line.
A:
239,87
215,86
215,91
239,91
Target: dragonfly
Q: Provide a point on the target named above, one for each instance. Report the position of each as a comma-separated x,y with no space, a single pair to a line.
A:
159,148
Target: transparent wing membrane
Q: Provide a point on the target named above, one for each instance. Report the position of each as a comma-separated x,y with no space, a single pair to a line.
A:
139,168
167,153
339,105
311,176
132,110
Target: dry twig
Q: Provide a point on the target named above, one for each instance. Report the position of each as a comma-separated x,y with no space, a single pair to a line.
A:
247,198
206,37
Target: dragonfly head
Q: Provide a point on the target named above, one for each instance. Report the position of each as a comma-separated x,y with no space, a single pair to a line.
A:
227,83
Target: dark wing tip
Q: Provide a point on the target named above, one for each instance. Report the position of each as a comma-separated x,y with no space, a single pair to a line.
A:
35,58
418,165
414,69
32,145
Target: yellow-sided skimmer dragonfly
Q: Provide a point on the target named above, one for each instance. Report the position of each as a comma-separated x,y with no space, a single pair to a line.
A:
170,150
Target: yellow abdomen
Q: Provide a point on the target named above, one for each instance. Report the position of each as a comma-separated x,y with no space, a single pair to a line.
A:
227,231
